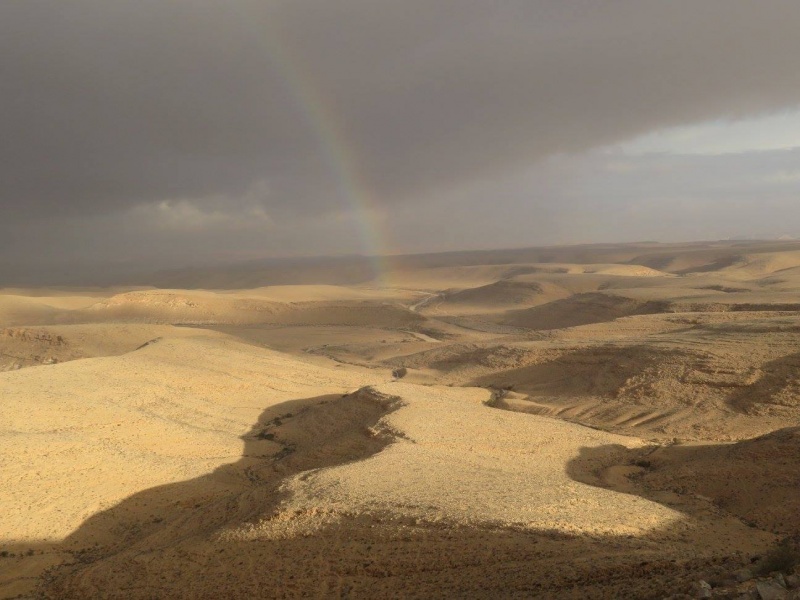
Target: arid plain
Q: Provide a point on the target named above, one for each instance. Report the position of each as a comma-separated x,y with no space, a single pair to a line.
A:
603,421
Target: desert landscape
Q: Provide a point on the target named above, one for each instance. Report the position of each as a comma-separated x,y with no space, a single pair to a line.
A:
381,299
606,421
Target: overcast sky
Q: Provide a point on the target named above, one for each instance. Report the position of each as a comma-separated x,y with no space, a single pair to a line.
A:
166,133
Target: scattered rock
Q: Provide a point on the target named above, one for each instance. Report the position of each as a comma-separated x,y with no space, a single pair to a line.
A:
702,589
771,590
743,575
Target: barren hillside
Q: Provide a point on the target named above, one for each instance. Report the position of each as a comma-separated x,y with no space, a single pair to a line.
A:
615,422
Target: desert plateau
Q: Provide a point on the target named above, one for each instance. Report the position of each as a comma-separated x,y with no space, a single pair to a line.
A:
615,421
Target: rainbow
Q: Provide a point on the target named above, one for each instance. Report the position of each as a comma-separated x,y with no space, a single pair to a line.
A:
339,153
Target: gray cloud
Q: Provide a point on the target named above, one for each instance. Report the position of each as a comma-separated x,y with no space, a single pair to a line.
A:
593,197
606,196
114,111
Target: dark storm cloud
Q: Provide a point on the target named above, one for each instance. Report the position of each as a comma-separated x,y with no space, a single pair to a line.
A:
112,103
108,104
181,109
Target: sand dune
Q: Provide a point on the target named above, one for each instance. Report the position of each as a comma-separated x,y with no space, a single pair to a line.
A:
611,421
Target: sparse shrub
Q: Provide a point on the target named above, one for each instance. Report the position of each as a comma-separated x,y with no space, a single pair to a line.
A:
497,396
785,557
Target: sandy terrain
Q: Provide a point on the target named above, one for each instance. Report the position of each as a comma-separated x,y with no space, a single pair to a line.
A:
586,422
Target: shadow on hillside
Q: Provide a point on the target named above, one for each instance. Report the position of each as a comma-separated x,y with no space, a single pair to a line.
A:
276,448
582,309
599,371
776,389
165,542
754,480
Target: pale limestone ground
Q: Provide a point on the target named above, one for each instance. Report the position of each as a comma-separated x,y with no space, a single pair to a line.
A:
78,437
232,456
458,460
